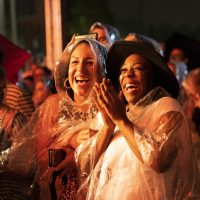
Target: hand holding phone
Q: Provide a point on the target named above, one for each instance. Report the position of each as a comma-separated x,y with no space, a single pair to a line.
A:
86,36
56,156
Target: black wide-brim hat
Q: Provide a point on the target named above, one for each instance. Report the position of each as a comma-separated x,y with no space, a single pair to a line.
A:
120,50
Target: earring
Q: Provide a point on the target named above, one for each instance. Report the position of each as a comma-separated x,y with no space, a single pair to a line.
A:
65,83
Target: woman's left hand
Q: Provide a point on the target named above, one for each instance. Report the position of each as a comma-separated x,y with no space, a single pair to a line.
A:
110,101
68,165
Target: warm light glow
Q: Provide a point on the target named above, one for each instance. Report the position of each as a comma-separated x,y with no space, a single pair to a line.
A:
53,31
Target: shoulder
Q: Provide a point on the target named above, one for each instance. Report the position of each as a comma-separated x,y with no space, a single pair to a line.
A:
13,118
13,90
16,94
168,103
52,98
16,115
49,108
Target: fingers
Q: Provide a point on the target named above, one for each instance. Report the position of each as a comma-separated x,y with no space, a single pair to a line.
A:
68,162
69,45
100,98
84,135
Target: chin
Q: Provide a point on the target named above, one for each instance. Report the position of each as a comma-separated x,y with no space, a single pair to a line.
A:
133,100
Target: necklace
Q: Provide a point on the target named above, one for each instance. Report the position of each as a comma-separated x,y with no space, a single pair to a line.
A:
71,113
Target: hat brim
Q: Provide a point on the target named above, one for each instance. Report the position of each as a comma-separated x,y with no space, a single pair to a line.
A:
120,50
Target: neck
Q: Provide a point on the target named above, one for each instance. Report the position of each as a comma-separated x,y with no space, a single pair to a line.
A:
79,99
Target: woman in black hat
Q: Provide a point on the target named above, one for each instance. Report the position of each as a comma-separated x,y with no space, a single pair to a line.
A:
144,149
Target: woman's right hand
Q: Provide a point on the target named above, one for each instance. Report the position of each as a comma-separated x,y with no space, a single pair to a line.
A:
107,120
71,41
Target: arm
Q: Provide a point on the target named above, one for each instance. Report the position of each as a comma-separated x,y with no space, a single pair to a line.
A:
156,147
89,153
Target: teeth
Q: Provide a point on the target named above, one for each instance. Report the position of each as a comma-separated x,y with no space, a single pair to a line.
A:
130,85
79,78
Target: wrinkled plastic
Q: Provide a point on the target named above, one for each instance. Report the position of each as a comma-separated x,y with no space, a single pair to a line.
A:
53,124
162,135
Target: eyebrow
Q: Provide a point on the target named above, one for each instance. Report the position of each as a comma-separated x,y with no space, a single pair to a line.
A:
78,57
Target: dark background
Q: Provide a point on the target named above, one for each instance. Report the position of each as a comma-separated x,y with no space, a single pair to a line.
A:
154,18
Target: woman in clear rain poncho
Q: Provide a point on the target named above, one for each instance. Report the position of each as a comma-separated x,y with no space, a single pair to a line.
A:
56,123
144,150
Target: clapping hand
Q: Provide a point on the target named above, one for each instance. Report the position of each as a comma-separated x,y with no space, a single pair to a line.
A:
109,101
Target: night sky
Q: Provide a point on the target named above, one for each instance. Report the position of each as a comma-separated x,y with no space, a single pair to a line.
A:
157,17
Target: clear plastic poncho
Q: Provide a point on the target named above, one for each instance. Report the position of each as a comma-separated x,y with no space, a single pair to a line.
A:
161,131
53,124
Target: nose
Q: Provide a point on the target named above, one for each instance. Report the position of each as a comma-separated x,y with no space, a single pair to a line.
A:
81,67
130,73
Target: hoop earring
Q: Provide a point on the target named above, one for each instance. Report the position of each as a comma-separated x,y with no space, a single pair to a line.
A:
65,84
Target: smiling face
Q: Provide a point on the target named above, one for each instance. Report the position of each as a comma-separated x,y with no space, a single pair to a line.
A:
83,71
135,78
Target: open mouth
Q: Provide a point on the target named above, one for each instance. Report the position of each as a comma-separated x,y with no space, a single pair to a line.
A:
80,79
130,87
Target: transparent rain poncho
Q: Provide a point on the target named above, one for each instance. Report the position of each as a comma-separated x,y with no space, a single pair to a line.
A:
162,134
54,123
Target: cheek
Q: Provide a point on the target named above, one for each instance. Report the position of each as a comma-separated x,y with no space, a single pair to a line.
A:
71,75
146,82
120,80
95,74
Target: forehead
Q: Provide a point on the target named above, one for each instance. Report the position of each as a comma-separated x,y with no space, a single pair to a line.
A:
177,51
82,49
39,71
100,31
137,59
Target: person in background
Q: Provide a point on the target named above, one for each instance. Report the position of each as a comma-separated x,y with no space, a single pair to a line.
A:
18,99
106,34
135,37
42,90
178,55
191,84
13,185
41,73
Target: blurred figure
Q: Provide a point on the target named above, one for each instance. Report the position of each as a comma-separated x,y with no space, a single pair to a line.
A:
43,89
178,55
192,86
135,37
41,73
181,48
106,34
13,185
16,98
179,69
26,79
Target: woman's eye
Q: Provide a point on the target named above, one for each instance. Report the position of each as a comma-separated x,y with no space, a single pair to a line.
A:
123,70
74,61
89,62
139,68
